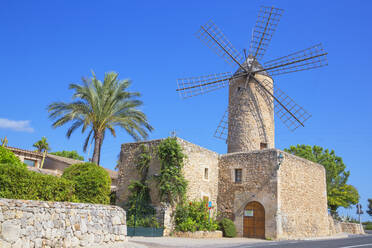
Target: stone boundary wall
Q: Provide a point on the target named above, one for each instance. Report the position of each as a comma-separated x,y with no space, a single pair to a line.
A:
198,234
344,227
26,223
352,228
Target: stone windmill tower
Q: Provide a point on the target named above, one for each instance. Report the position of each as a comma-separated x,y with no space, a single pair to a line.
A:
248,123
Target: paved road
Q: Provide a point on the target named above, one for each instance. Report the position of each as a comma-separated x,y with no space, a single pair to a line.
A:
351,242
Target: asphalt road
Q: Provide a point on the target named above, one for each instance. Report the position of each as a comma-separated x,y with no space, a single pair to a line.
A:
363,241
352,242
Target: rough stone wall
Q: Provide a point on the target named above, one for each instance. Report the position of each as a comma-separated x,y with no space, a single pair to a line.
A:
197,160
128,171
39,224
336,227
258,184
352,228
302,199
251,115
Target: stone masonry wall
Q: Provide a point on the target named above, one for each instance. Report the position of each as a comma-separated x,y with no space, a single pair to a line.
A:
26,224
128,172
302,199
197,160
258,184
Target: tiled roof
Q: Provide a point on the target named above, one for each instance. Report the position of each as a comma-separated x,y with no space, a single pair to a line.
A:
14,149
70,161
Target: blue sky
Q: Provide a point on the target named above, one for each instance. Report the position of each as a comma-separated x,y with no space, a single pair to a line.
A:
45,45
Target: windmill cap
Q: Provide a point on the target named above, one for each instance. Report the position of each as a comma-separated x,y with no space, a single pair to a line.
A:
256,66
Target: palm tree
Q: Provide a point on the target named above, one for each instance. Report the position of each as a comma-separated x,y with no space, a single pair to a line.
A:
100,106
42,145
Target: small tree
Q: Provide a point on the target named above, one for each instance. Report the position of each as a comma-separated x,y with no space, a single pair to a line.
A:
369,211
339,193
42,145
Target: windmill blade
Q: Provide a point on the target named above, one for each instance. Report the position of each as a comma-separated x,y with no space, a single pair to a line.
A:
267,21
213,37
306,59
193,86
289,112
222,128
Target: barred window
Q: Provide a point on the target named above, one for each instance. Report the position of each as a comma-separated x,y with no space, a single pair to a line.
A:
206,173
238,175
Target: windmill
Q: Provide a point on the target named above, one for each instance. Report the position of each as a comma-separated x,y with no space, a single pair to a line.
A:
248,123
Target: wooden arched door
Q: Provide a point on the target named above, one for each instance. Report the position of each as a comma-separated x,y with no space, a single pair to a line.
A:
254,220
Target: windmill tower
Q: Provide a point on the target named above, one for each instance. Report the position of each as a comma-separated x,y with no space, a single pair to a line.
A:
248,123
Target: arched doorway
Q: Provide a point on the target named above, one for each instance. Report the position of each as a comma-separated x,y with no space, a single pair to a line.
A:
254,220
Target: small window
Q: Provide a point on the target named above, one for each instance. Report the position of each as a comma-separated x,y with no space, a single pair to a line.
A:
263,146
238,175
205,199
30,162
206,173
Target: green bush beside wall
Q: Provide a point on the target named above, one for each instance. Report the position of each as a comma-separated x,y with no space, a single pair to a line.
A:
92,182
17,182
227,226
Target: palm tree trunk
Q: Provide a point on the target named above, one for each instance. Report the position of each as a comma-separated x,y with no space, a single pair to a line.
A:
97,148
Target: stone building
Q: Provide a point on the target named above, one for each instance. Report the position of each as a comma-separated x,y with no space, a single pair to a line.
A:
268,193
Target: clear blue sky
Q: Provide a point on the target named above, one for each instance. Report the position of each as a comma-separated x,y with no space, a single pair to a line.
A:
45,45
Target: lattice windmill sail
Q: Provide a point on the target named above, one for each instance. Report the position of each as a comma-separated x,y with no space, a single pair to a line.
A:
248,123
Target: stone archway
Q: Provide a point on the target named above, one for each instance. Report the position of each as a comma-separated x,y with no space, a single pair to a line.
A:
254,220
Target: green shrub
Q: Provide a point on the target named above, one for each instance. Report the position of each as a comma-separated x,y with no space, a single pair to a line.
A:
369,226
194,216
227,226
149,221
92,182
8,157
17,182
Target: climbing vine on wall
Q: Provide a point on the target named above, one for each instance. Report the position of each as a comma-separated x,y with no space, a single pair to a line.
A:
172,183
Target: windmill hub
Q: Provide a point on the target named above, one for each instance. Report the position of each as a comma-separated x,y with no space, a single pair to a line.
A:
250,64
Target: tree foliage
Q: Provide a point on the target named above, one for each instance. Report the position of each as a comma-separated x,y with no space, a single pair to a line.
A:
42,145
340,194
172,182
369,211
100,106
69,154
92,183
8,157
